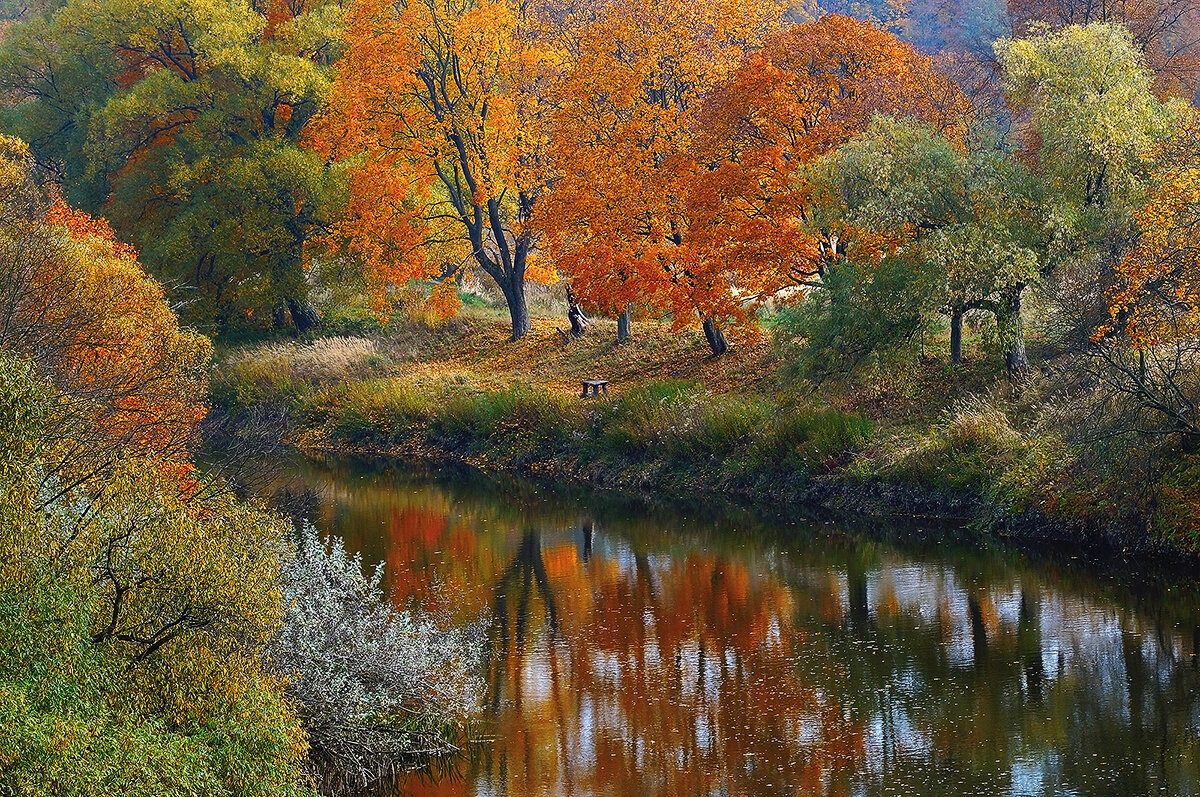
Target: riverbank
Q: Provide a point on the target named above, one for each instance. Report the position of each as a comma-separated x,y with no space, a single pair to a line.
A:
950,445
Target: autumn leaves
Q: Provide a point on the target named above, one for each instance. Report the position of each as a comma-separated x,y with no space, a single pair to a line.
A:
650,151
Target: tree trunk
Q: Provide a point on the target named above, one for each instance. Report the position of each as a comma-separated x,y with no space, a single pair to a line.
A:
956,324
623,332
579,322
979,640
1015,359
304,315
518,307
716,338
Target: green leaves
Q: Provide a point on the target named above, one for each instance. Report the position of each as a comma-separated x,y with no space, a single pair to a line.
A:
924,228
183,119
1086,91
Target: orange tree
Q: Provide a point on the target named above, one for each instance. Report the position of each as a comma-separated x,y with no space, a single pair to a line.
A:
77,303
688,194
438,109
624,153
1150,339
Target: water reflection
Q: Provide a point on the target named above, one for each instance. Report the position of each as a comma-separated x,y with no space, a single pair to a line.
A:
707,653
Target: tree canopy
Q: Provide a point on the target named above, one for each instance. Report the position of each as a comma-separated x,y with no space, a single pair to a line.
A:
182,121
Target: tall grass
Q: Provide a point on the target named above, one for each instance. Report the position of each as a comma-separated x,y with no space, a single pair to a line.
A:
522,418
279,372
378,411
810,440
974,446
671,423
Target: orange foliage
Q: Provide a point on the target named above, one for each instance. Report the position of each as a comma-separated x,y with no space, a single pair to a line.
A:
1157,292
103,333
624,152
83,226
435,108
809,89
680,156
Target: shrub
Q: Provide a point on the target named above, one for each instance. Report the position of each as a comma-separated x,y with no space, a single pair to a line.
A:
1178,518
375,686
133,610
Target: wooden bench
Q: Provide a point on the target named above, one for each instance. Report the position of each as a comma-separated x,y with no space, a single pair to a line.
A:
595,386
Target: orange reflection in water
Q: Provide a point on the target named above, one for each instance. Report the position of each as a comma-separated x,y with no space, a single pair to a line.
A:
612,669
629,657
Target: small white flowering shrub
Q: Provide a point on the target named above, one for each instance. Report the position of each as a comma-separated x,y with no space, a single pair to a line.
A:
377,688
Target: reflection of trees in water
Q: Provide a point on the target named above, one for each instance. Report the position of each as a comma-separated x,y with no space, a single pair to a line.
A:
990,682
658,676
521,575
629,659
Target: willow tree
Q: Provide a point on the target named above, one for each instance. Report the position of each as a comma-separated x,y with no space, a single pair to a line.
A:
1089,123
926,229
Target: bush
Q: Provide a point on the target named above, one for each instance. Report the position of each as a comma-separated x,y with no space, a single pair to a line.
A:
1178,519
375,686
132,613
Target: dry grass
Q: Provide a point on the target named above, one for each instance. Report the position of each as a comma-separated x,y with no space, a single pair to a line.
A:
322,360
477,351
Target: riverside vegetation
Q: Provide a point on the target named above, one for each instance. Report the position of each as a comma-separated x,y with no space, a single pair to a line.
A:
157,635
977,270
909,435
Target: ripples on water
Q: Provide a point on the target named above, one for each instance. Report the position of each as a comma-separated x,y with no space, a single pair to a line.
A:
707,652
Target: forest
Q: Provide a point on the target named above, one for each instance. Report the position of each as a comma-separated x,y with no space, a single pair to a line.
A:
913,256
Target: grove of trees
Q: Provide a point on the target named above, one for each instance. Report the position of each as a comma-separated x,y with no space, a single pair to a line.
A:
697,160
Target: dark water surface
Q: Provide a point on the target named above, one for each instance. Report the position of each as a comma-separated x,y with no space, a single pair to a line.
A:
705,650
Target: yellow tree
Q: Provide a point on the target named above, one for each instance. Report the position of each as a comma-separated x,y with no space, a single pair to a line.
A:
437,106
1164,30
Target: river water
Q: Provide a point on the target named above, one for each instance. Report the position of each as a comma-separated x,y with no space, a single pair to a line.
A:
702,649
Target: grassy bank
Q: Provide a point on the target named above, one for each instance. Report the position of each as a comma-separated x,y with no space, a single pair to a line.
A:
932,441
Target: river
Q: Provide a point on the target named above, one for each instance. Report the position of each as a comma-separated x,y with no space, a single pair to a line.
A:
704,649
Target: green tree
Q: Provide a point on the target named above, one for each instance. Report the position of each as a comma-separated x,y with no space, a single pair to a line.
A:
924,229
182,120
